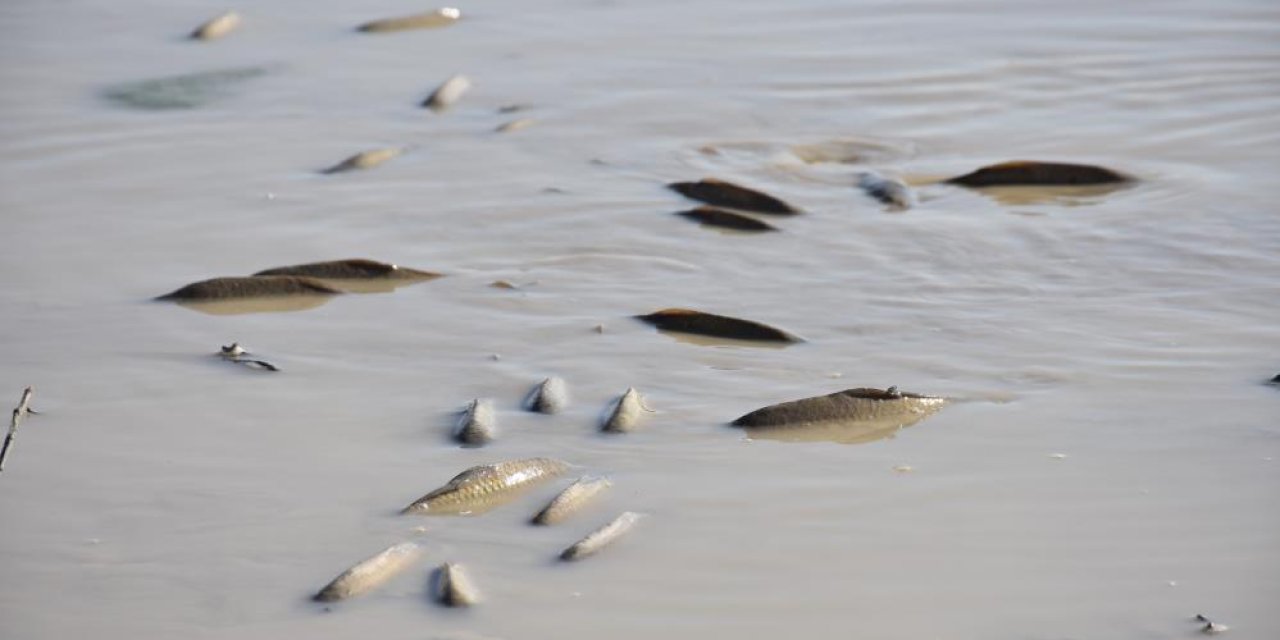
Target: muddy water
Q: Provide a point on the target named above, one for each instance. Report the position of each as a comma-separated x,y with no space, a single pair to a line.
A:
165,493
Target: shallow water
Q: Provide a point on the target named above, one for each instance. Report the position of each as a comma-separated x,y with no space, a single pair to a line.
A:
166,493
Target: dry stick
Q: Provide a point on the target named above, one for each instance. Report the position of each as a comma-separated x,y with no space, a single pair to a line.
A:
18,414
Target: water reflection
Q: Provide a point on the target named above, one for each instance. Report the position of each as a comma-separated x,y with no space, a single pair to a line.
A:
266,304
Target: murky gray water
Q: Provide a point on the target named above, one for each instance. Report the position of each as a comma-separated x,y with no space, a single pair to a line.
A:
164,493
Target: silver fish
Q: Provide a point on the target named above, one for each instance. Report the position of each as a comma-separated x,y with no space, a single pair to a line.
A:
453,587
626,413
484,487
573,498
447,93
370,573
476,426
550,396
602,537
217,27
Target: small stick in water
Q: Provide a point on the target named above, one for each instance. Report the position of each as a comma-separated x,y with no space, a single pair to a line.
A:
453,587
235,353
601,538
23,408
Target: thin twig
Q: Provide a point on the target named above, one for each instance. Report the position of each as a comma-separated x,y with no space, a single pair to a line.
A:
23,408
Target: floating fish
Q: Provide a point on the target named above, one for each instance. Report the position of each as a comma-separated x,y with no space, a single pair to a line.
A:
714,217
365,160
894,193
232,288
217,27
453,587
515,125
710,324
1031,173
849,416
481,488
351,269
550,396
571,500
442,17
602,537
726,194
371,573
447,93
476,426
626,413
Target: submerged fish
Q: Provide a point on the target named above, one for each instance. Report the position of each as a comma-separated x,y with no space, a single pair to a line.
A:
453,587
442,17
550,396
626,412
515,125
602,537
370,573
710,324
572,499
727,194
714,217
483,487
252,287
894,193
476,426
849,416
365,160
187,91
1031,173
217,27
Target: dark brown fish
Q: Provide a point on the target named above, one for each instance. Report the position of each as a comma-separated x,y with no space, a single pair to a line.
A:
710,324
727,194
1031,173
255,287
846,407
352,269
483,487
714,217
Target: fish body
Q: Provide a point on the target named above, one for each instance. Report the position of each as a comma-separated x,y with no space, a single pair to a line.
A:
894,193
217,27
454,587
483,487
602,537
626,413
350,269
726,194
710,324
365,160
571,500
251,287
370,573
476,427
447,93
880,409
550,396
442,17
714,217
1032,173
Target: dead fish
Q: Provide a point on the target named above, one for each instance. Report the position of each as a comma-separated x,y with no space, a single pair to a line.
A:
365,160
848,406
626,413
727,194
602,537
254,287
1031,173
573,498
476,426
1276,380
442,17
351,269
370,573
515,125
550,396
217,27
894,193
483,487
710,324
453,587
714,217
447,93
